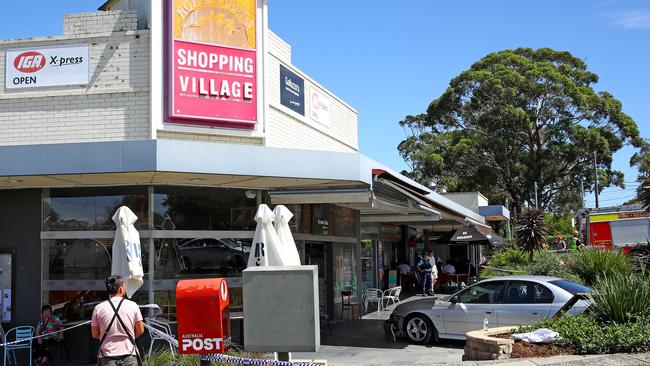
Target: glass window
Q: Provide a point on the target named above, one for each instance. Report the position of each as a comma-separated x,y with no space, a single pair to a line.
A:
570,287
345,270
320,215
483,293
189,208
92,208
82,259
191,258
543,295
524,292
345,223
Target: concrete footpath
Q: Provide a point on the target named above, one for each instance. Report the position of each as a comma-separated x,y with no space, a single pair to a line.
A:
363,343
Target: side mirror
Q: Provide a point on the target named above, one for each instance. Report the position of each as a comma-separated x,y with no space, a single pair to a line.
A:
453,299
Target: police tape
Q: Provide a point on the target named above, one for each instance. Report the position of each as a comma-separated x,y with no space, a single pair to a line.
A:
25,340
253,361
227,358
162,335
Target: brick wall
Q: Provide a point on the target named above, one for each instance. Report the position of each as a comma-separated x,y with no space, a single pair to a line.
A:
285,128
82,24
114,106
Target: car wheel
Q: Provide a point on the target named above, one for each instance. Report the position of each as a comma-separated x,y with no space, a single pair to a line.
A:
419,329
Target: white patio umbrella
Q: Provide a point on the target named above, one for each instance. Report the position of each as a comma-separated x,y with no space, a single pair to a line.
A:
127,258
287,244
266,248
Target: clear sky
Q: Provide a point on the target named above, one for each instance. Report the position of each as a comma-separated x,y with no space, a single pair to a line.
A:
390,59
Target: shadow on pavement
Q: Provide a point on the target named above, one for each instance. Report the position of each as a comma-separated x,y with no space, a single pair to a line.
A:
370,334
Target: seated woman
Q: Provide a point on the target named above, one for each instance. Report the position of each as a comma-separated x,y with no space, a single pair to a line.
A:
47,327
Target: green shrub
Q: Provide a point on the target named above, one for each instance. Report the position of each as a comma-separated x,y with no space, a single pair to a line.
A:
512,258
590,263
621,297
549,263
588,336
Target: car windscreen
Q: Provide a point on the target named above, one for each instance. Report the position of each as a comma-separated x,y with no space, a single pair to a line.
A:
570,287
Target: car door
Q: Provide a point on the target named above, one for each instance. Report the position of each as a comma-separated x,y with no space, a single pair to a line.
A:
524,302
470,307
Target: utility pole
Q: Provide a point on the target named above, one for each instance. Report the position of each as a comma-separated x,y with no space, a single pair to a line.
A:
582,194
508,230
596,179
536,199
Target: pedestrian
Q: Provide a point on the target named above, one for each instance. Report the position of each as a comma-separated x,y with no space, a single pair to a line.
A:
449,267
426,268
49,331
434,272
116,322
575,241
405,275
560,244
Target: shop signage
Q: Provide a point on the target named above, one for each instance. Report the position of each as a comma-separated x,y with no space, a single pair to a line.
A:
319,106
292,90
50,66
212,62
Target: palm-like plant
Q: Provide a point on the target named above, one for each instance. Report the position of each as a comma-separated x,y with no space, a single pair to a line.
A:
531,231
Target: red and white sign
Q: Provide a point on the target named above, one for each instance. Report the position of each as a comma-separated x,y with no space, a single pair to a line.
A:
213,83
211,63
48,66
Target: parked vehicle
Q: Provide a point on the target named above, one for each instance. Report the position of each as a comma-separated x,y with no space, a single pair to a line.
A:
502,301
625,228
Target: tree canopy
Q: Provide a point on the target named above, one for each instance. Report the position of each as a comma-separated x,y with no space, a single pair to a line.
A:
517,117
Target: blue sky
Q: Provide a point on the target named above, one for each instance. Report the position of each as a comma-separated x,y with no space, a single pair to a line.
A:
388,61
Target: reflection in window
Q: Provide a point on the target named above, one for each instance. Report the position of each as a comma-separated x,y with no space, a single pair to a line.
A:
345,269
92,209
83,259
187,208
190,258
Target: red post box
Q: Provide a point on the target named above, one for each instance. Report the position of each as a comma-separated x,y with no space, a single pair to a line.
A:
203,316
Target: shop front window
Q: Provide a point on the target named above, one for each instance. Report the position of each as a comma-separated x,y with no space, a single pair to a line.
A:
91,208
345,270
187,258
188,208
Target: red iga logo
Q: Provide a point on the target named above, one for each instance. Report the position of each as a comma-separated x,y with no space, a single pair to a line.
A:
29,62
201,344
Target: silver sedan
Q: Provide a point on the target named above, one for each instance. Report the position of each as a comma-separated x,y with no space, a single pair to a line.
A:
500,301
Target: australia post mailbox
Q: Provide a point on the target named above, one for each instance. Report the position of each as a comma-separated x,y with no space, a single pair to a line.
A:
203,317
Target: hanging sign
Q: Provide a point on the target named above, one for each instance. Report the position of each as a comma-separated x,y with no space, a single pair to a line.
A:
212,63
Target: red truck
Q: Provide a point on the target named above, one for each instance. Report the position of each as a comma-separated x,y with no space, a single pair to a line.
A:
626,227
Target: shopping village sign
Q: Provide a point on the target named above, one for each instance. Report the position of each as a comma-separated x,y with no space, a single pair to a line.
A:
211,62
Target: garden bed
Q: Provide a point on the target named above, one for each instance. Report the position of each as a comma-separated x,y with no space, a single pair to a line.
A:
525,349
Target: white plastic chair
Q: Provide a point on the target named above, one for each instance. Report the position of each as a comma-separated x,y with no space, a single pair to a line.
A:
392,295
162,327
371,295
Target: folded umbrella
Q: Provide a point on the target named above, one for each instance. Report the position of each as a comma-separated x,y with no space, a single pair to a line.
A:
265,250
127,259
288,248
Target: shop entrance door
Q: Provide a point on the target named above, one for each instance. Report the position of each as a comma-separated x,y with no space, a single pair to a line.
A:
315,254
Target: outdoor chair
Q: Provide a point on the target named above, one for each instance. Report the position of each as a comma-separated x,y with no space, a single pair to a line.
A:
154,336
347,302
371,295
392,295
23,335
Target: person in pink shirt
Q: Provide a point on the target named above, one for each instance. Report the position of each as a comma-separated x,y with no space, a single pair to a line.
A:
116,322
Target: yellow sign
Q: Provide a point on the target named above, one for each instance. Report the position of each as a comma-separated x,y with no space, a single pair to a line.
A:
224,22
